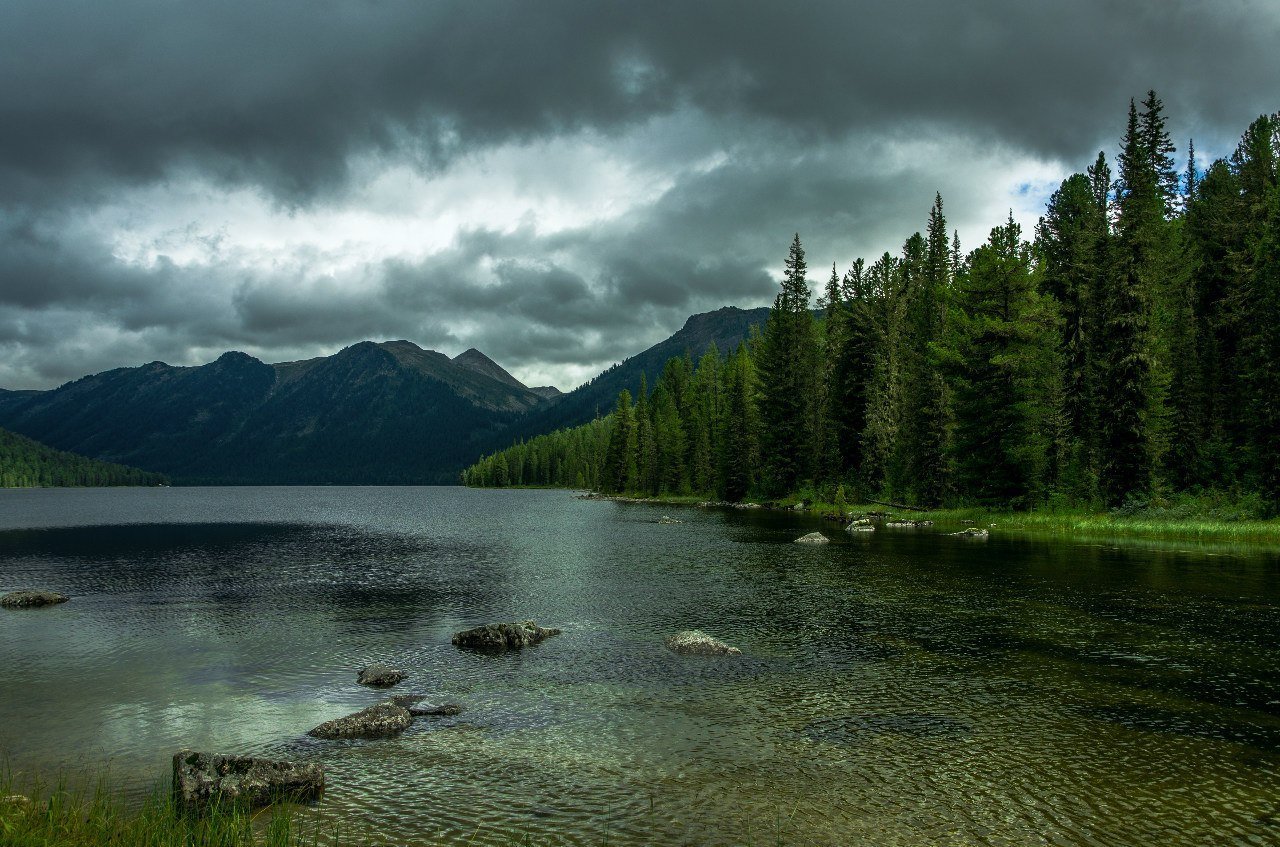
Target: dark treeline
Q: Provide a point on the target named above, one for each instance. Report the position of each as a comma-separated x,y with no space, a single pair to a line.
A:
29,464
1129,351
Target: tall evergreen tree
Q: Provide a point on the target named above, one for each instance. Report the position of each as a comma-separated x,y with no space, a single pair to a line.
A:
739,454
620,471
1000,355
927,265
786,360
1125,460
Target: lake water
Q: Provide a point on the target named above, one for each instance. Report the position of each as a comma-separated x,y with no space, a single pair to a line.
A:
896,688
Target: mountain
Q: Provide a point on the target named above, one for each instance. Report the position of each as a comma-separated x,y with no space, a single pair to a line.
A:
725,327
374,413
29,464
386,413
474,360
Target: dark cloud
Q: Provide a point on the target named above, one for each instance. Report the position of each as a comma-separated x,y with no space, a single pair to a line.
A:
283,93
754,120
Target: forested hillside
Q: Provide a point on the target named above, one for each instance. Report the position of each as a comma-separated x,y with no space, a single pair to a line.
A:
1129,349
29,464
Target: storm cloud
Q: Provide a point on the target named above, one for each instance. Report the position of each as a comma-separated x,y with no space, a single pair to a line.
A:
557,183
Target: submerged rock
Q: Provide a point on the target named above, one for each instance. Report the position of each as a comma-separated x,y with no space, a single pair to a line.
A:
443,710
200,779
669,519
907,524
32,598
813,538
695,642
971,532
380,676
497,637
377,721
859,527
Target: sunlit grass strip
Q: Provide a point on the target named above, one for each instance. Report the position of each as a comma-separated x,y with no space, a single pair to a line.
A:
1084,523
67,817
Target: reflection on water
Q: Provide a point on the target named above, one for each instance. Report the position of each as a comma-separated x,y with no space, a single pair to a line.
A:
896,688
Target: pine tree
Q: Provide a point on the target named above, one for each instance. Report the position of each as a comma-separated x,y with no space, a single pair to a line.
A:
1072,241
1125,460
620,471
927,265
786,359
1000,355
738,426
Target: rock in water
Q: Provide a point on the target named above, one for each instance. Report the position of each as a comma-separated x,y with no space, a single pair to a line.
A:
971,532
497,637
378,721
31,599
419,710
201,779
380,676
813,538
695,642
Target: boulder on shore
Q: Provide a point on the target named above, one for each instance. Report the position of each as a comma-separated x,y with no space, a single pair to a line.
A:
497,637
377,721
31,599
813,538
695,642
380,676
202,779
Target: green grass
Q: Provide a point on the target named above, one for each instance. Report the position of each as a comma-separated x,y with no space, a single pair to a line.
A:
1157,523
65,816
1210,518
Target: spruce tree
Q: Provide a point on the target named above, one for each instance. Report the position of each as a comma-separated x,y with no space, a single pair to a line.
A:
1125,363
620,471
786,360
927,264
1000,355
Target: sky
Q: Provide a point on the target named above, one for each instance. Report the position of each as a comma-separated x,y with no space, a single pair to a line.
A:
559,184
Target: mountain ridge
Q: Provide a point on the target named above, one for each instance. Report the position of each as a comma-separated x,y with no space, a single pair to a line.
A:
386,412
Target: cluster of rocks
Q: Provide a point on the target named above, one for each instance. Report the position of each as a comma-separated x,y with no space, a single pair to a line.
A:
201,780
971,532
32,598
907,524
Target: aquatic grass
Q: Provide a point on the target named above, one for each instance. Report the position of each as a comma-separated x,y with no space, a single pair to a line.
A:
63,815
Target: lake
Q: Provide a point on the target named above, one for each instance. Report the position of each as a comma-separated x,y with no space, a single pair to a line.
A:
899,687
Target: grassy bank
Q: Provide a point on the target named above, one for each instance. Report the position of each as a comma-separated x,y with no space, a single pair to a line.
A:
64,816
1204,519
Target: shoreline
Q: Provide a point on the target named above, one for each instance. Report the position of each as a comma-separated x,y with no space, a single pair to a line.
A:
1075,524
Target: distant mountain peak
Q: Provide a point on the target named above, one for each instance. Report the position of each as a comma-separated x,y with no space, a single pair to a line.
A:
473,360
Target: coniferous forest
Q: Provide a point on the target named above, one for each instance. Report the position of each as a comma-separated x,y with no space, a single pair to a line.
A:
29,464
1126,351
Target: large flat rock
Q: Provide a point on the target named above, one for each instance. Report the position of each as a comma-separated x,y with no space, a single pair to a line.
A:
203,779
497,637
31,598
378,721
